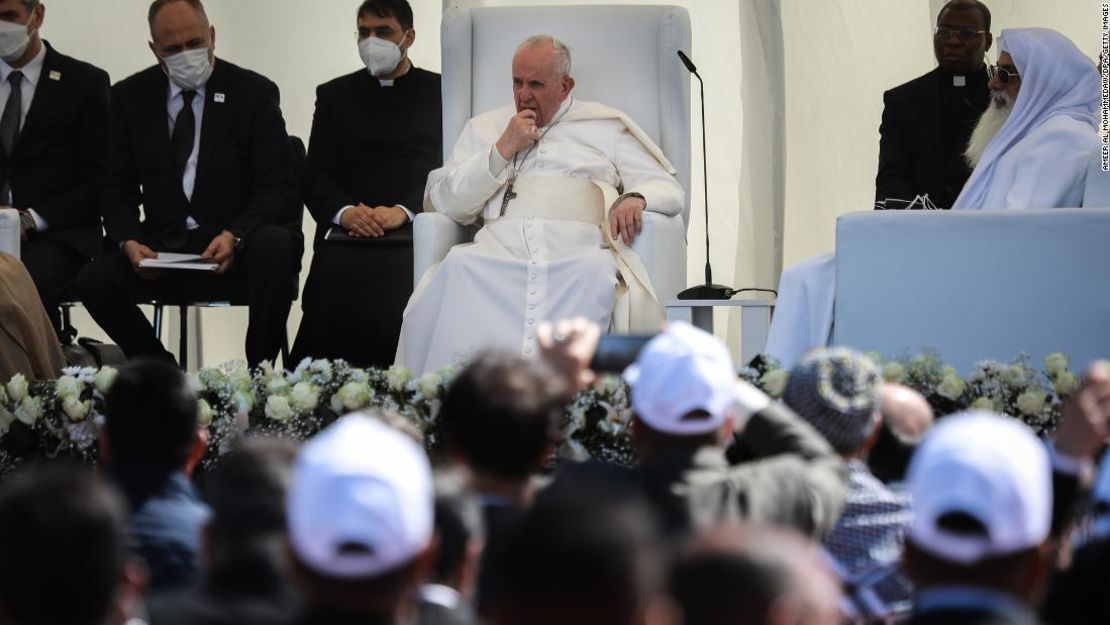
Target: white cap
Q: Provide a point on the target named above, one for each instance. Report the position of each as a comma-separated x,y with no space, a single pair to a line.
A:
361,499
989,467
684,369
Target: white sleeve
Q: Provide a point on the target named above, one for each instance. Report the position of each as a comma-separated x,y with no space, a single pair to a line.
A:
462,187
641,173
1050,172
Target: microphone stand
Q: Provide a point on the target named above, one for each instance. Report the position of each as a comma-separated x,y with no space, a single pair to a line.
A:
707,291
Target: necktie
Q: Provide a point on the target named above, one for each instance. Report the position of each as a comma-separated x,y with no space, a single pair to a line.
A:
184,133
9,127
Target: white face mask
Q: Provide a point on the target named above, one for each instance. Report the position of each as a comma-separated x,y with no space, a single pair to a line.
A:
14,39
381,56
190,69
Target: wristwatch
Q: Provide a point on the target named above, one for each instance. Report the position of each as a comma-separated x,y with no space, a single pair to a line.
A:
238,236
631,194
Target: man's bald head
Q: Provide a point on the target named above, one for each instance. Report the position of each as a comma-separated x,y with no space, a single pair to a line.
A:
751,575
906,416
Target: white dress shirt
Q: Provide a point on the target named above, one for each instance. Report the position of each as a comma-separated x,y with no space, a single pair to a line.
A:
174,105
32,71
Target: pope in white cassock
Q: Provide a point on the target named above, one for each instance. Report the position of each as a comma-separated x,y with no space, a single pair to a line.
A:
560,186
1030,149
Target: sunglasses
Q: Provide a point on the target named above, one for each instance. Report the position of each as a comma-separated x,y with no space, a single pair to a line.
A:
1003,75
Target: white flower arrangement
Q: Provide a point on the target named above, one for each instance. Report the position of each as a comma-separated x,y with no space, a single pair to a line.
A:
47,419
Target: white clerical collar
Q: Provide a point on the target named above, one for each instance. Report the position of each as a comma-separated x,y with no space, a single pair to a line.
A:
386,82
31,71
959,81
441,595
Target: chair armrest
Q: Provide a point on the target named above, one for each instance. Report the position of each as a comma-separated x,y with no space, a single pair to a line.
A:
433,235
9,231
662,249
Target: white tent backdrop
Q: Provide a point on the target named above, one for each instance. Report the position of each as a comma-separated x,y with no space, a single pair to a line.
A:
793,100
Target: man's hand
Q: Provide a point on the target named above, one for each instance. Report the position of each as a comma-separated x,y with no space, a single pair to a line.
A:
626,220
521,134
221,250
389,217
1085,422
569,346
136,252
359,221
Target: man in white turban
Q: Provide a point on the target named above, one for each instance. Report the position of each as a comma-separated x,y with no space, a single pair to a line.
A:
1030,149
1032,145
560,186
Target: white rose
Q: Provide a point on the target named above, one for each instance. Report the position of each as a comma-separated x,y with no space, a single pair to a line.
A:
278,408
894,372
68,387
76,409
774,382
398,378
104,379
951,387
240,378
352,396
204,413
304,397
277,386
982,403
429,384
17,388
1066,384
29,410
321,367
1015,375
1056,364
1031,402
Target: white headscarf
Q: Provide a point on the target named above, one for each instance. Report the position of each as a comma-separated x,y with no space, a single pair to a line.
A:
1056,79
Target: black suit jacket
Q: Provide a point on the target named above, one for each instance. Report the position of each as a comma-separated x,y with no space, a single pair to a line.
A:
242,180
372,144
912,160
57,164
972,617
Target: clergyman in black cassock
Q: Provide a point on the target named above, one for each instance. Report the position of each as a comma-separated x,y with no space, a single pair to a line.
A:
54,134
927,122
373,142
228,191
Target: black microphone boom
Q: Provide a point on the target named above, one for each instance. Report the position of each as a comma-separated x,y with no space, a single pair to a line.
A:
707,290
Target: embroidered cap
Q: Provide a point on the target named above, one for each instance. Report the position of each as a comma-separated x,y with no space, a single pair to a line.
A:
837,391
361,499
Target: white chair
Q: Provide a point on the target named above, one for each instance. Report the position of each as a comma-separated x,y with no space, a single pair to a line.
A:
975,284
9,231
623,56
1096,191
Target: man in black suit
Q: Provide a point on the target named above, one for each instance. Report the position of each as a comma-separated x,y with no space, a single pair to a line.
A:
376,134
53,135
204,151
927,121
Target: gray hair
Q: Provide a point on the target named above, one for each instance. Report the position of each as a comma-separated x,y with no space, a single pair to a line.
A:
562,52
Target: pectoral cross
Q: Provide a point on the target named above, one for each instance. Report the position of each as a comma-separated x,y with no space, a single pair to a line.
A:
510,195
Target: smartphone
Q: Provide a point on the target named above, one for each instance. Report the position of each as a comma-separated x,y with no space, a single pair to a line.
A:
616,351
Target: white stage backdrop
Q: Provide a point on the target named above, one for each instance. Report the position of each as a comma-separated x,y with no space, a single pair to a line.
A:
793,100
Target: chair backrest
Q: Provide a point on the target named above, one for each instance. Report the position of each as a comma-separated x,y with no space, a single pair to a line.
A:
975,284
622,56
1096,191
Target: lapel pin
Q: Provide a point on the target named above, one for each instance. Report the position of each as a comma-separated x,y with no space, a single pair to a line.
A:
55,75
219,97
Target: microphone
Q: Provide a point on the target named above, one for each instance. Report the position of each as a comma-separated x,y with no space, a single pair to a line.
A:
707,290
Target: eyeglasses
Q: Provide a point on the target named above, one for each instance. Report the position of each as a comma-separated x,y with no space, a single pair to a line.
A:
1003,75
964,34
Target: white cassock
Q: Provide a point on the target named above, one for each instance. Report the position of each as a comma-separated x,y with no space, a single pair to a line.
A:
1038,159
550,255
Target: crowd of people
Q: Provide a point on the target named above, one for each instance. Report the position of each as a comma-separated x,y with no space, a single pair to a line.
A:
843,503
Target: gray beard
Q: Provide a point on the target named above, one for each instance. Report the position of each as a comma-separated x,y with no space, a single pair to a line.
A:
987,127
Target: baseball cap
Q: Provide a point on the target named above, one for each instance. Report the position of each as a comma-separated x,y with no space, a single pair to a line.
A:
990,468
837,391
361,499
684,369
